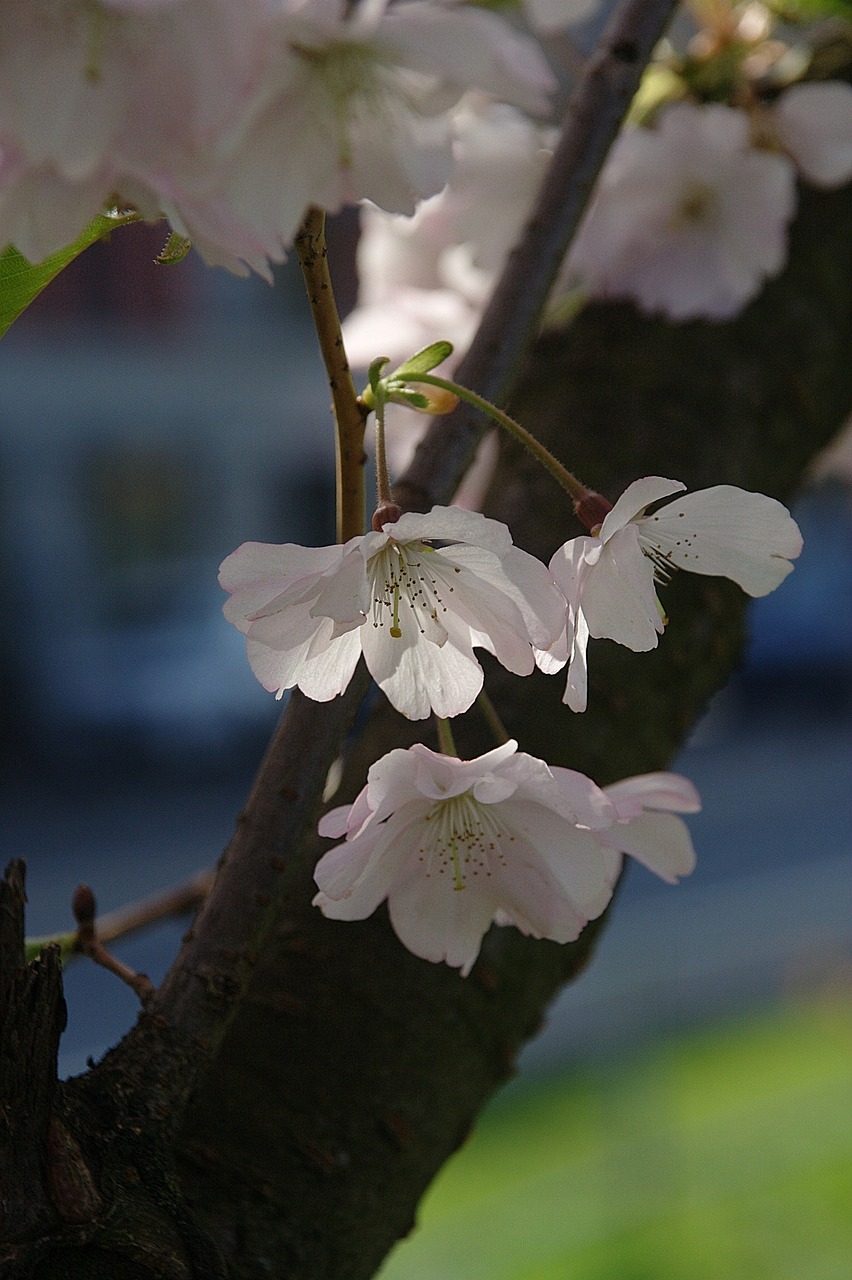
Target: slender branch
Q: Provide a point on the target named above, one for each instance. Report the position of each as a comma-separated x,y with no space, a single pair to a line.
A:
510,322
540,452
348,414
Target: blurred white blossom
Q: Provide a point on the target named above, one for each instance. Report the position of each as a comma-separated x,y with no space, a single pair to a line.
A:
688,219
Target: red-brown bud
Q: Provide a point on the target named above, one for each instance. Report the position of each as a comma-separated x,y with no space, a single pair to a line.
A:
83,904
592,509
385,513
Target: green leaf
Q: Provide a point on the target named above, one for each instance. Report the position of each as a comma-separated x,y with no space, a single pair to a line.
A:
423,361
22,281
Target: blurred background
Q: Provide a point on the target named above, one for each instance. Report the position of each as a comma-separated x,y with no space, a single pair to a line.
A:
685,1112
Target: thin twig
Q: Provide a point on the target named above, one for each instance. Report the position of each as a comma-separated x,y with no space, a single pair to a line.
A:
348,414
495,356
177,901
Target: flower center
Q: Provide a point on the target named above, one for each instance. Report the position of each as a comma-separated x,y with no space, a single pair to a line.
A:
696,204
403,586
462,839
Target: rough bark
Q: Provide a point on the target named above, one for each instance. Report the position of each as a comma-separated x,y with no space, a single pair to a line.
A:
350,1070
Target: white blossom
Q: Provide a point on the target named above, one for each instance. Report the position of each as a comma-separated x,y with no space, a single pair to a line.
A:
453,843
416,610
688,218
609,579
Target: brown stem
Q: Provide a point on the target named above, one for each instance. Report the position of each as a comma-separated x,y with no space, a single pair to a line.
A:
494,358
177,901
349,415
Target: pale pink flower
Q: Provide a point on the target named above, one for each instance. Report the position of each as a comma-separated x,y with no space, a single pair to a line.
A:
453,844
609,579
688,218
813,123
415,610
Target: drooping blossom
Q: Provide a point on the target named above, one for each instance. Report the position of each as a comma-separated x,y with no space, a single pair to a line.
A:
609,579
414,609
813,122
454,845
689,219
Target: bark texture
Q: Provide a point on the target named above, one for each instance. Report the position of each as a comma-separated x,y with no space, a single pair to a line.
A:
350,1070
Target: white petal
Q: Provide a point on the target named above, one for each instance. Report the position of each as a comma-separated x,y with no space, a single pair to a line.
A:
576,693
636,497
419,677
452,524
727,532
618,595
658,840
327,673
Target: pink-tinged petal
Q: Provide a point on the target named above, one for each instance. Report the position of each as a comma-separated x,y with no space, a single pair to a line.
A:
583,872
438,922
727,532
654,791
335,823
338,871
658,840
532,898
636,497
255,563
814,124
619,599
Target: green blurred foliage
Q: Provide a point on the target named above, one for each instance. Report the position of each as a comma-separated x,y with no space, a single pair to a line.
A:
724,1155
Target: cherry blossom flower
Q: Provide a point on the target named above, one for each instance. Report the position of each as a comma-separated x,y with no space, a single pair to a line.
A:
454,845
232,118
688,218
451,843
415,610
609,579
813,123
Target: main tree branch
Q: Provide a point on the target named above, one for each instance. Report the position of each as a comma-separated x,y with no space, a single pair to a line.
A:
495,357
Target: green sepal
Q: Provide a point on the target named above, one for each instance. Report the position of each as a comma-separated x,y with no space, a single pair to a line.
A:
423,361
22,281
405,395
174,250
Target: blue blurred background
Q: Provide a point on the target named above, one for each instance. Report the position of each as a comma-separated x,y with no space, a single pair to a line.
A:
151,419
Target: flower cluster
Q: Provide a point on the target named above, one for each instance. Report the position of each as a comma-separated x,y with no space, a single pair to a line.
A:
231,118
454,845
